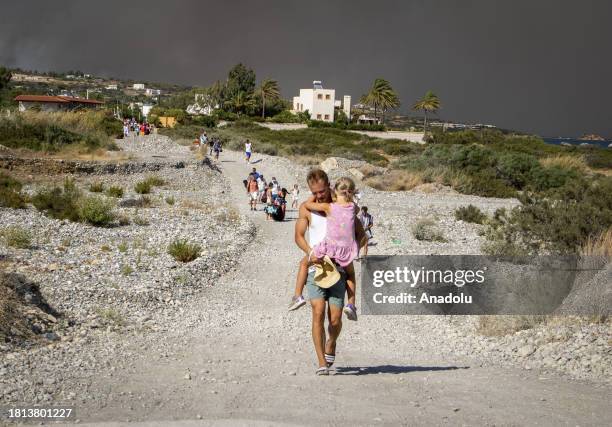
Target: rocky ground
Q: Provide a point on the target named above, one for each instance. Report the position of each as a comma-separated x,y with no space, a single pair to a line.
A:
212,339
106,284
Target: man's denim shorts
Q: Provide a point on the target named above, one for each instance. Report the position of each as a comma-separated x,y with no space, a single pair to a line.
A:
334,295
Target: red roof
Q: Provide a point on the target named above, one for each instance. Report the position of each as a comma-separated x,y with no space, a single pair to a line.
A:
56,99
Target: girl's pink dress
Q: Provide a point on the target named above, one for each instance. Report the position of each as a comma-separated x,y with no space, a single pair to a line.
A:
339,243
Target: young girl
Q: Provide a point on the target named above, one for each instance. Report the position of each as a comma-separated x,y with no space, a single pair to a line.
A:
339,242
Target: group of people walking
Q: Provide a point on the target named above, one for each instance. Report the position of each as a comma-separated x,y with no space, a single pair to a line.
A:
212,144
271,194
134,128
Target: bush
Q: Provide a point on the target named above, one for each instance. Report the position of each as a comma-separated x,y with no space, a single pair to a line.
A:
556,176
516,169
286,116
225,115
17,237
115,191
96,211
426,229
206,121
42,131
342,125
183,251
10,193
471,214
59,203
143,187
170,200
96,187
155,181
558,222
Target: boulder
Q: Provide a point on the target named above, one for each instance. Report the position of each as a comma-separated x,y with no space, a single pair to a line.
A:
329,164
356,173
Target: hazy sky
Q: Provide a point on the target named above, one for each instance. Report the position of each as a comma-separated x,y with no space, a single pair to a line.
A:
541,66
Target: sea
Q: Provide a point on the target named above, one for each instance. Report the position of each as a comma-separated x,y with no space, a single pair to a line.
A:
572,141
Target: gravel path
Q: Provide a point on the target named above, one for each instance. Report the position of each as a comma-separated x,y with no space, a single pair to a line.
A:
232,354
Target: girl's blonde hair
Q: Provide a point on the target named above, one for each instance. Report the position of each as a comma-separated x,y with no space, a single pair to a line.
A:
345,187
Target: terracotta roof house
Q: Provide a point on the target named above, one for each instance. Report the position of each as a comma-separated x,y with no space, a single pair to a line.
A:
55,103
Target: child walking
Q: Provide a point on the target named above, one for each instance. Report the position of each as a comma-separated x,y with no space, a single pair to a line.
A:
339,242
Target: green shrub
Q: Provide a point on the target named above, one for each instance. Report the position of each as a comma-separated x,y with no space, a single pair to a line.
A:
484,185
114,191
285,116
45,131
17,237
59,202
143,187
426,229
471,214
96,211
517,168
206,121
170,200
183,251
139,220
10,193
544,179
96,187
155,181
557,222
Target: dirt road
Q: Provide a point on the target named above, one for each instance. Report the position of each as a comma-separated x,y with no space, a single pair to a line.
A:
247,361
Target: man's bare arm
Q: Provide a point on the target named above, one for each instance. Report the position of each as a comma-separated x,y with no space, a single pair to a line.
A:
301,226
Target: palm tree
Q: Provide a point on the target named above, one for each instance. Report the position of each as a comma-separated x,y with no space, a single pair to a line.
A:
429,103
381,95
269,90
240,102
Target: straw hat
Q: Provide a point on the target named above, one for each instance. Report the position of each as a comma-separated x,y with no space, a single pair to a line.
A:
326,274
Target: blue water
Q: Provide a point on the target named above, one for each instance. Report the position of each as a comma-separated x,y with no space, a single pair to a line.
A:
558,141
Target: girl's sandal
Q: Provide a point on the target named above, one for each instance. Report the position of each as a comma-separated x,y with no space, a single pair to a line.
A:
330,359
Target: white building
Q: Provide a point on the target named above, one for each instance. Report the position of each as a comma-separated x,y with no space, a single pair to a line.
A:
146,109
152,92
138,86
112,87
319,102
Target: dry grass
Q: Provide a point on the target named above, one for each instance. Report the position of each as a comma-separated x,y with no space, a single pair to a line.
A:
599,246
307,160
396,180
495,326
564,161
194,204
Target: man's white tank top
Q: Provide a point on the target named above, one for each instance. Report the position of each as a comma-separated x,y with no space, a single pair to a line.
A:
317,228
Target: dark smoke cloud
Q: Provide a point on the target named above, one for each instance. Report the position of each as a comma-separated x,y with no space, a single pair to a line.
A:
541,66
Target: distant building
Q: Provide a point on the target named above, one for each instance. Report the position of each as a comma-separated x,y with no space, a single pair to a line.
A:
56,103
319,102
152,92
138,86
111,87
146,109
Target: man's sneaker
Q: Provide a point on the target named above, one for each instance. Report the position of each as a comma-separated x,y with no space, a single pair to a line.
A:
351,311
296,302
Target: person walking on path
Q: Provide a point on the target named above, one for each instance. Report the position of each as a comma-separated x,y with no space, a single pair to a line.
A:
217,149
339,243
248,150
295,196
310,229
367,222
252,191
203,139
